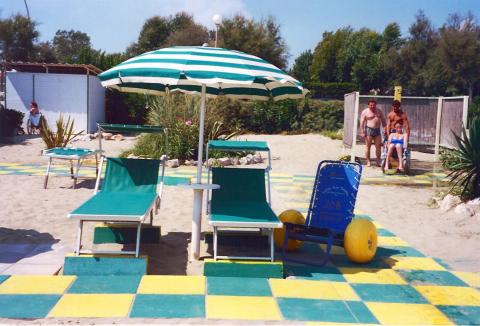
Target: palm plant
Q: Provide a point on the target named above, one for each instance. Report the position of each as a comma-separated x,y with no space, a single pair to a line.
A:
465,172
63,135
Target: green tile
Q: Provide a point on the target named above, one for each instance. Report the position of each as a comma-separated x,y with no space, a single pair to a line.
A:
26,305
388,293
168,306
321,273
105,284
462,315
239,269
441,262
419,277
398,251
104,265
239,286
3,278
385,233
174,180
361,312
315,310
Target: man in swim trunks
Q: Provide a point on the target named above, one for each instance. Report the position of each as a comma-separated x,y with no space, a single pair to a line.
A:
371,121
397,116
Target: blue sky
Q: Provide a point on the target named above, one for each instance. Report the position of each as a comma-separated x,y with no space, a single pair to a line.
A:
113,24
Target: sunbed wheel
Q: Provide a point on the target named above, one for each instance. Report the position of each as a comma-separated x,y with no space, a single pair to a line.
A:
289,216
360,240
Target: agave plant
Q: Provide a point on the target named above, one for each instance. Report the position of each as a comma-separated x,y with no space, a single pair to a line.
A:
63,135
466,170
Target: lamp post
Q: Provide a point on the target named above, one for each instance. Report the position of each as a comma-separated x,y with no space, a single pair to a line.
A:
217,20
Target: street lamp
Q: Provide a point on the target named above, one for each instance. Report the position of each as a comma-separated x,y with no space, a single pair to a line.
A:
217,20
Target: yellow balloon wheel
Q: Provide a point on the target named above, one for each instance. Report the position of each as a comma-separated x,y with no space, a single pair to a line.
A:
290,216
360,240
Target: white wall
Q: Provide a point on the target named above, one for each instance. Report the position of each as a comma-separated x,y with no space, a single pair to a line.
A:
58,94
96,103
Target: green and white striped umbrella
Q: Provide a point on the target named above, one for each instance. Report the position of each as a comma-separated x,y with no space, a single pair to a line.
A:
185,68
205,71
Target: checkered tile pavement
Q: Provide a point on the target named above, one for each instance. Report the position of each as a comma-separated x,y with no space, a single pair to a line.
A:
400,286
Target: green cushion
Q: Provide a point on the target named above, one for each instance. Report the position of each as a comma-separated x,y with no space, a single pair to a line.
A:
117,204
243,212
68,151
130,128
234,145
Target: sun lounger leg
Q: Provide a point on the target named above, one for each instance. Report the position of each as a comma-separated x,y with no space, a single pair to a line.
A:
137,248
71,170
151,217
270,237
76,173
215,243
48,171
79,237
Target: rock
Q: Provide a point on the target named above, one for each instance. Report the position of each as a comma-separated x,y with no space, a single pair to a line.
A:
118,137
464,209
257,158
243,161
173,163
131,156
225,161
189,162
235,160
211,162
107,135
474,205
95,135
448,202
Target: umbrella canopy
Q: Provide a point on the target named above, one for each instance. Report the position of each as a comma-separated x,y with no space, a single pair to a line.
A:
185,68
206,71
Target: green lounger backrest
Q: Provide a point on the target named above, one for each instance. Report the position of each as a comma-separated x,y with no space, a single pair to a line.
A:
131,175
237,184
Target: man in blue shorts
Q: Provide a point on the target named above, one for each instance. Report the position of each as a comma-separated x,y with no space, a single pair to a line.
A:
371,123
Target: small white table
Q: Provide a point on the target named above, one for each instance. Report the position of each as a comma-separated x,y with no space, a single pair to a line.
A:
198,189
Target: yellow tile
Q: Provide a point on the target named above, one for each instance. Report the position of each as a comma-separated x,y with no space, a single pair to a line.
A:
371,275
415,263
472,279
450,295
93,305
9,164
172,284
326,323
29,284
297,205
5,172
306,289
336,250
407,314
391,241
251,308
377,225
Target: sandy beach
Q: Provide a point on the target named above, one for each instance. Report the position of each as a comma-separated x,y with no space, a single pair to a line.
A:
30,214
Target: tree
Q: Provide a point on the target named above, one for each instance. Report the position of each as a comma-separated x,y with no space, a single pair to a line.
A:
67,45
44,53
301,67
17,37
261,38
324,62
458,52
415,57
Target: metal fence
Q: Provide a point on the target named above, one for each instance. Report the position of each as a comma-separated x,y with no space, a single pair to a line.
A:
432,119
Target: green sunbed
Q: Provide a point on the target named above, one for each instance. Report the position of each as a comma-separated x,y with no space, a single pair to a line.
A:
129,194
241,203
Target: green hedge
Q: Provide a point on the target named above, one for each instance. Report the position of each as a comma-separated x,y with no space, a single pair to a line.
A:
330,90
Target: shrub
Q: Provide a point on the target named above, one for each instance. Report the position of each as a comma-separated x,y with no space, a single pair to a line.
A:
62,137
466,170
330,90
323,115
332,134
11,121
474,109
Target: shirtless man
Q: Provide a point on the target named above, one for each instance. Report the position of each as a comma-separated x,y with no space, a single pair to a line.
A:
397,116
371,122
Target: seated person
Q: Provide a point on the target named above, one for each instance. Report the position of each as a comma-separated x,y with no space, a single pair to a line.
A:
35,114
397,142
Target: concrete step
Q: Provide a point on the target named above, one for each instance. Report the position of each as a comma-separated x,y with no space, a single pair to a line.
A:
243,268
104,265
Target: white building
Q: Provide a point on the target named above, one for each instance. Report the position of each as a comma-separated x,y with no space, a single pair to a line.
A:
71,90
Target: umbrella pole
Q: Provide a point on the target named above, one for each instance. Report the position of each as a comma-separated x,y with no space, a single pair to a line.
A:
198,191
